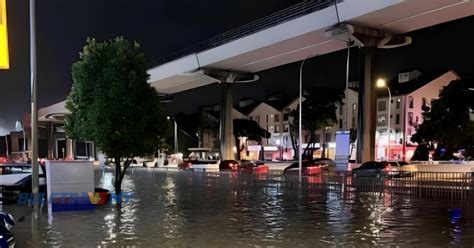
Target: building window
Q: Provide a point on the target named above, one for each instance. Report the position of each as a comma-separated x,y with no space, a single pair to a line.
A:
84,149
397,119
328,137
397,105
340,123
410,102
285,116
22,146
354,107
382,106
258,119
353,122
317,138
276,118
410,119
277,128
251,118
423,101
340,108
267,118
381,120
271,129
286,128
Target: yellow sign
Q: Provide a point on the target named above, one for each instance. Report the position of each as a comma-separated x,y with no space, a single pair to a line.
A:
4,61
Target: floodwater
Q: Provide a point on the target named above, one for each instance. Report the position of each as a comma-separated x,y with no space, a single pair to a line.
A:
186,209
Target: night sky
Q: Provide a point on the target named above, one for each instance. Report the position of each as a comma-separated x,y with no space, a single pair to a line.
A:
162,27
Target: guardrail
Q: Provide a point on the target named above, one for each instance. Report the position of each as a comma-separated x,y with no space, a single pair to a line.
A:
292,12
440,185
428,185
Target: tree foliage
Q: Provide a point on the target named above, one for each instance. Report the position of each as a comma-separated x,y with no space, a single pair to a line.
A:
319,111
448,122
249,129
112,104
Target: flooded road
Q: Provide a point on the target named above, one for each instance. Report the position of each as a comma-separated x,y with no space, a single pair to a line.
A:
185,209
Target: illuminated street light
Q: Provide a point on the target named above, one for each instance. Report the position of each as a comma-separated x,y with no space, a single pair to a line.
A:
381,83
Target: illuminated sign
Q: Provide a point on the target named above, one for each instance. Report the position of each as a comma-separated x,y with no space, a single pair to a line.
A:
4,61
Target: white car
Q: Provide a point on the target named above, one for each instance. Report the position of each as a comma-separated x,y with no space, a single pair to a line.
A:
18,177
200,165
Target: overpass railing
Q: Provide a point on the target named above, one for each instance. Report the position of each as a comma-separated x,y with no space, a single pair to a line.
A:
292,12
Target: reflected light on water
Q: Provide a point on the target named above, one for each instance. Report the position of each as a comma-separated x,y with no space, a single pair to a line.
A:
175,209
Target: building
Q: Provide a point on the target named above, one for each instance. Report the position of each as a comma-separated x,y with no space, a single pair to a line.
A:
52,140
412,93
274,116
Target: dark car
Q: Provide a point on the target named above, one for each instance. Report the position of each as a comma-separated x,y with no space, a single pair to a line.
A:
376,169
308,168
7,239
253,167
229,165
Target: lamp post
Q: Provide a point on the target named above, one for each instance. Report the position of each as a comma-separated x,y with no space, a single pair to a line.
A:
300,135
175,134
381,83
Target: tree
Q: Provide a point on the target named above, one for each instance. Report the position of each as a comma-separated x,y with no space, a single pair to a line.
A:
249,129
319,112
112,104
448,122
293,129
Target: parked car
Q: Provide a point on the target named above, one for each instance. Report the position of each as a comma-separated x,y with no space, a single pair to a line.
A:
17,177
253,167
401,172
229,165
7,239
309,168
3,159
376,169
200,165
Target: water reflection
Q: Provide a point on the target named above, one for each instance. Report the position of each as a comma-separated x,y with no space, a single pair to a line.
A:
235,210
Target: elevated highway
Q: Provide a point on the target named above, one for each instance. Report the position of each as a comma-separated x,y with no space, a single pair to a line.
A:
305,30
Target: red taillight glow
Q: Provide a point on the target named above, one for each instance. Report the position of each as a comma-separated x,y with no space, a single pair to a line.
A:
312,170
388,168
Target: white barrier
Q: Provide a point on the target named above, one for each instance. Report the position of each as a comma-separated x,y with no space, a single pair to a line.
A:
68,184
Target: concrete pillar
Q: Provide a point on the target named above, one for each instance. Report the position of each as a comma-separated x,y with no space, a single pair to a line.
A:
69,149
226,123
367,107
49,139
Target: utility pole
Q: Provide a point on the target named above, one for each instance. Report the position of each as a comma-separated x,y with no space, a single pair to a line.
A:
34,113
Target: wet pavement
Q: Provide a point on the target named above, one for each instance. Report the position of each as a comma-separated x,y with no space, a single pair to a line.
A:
186,209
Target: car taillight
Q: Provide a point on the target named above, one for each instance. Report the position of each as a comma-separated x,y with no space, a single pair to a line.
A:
388,168
311,170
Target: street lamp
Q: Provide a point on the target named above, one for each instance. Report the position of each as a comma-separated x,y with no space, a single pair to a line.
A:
175,134
381,83
300,124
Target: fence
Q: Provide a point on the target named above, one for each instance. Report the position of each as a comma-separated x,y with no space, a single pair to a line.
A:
433,185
